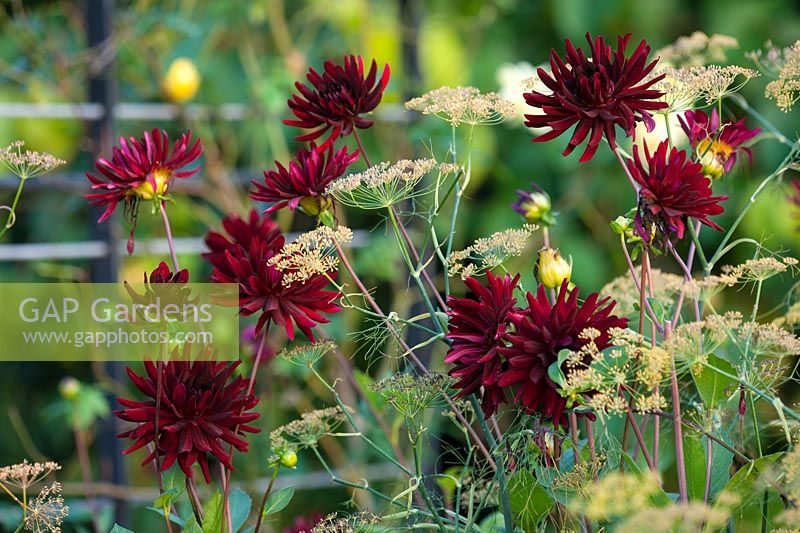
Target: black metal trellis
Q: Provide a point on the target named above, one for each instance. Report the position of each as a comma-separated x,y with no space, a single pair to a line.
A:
104,248
102,90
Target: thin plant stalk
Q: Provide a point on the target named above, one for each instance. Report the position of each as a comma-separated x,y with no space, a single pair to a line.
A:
12,211
266,497
170,240
86,472
414,359
678,428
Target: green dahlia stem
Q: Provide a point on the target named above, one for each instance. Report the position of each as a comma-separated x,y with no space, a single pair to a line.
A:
266,497
12,211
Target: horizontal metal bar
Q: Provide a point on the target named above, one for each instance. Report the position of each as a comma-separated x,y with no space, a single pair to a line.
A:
314,480
232,112
99,249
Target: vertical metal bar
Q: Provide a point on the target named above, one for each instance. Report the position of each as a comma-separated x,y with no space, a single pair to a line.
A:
102,91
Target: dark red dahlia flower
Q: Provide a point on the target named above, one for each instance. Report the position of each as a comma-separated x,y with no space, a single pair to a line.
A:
163,274
164,286
304,181
202,410
595,94
672,189
141,169
478,328
304,524
242,256
541,331
715,144
336,99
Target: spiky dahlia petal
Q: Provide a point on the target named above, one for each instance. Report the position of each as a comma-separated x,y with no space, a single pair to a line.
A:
242,257
201,409
336,99
672,189
307,176
477,329
541,331
595,94
720,142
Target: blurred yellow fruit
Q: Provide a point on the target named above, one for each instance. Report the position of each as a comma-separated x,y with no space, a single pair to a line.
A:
181,81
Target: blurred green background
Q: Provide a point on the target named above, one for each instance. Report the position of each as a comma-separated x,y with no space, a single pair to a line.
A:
251,53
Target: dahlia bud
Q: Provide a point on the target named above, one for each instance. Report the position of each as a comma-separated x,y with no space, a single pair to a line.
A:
534,206
289,459
69,388
181,81
553,269
620,225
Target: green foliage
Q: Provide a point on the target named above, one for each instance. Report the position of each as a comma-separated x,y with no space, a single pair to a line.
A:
530,502
278,500
714,388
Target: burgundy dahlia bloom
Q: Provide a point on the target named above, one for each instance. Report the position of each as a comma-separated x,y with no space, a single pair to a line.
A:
304,181
164,286
716,145
336,99
203,410
541,331
595,94
242,256
478,328
141,169
672,189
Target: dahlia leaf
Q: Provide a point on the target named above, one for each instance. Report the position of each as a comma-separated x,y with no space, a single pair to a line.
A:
696,463
240,508
278,501
529,501
554,371
713,386
119,529
212,514
748,483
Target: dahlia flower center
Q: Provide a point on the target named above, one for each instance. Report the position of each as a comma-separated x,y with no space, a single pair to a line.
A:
314,205
155,185
713,156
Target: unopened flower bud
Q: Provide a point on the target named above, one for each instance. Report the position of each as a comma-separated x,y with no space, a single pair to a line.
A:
553,269
181,81
620,225
69,388
289,459
535,207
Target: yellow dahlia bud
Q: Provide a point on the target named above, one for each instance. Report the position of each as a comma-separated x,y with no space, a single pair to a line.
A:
69,388
553,269
181,81
289,459
620,225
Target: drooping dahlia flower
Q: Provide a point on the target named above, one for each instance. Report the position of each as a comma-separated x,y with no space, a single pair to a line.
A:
203,410
304,181
478,328
164,286
716,144
672,189
541,331
141,169
336,99
595,94
242,256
